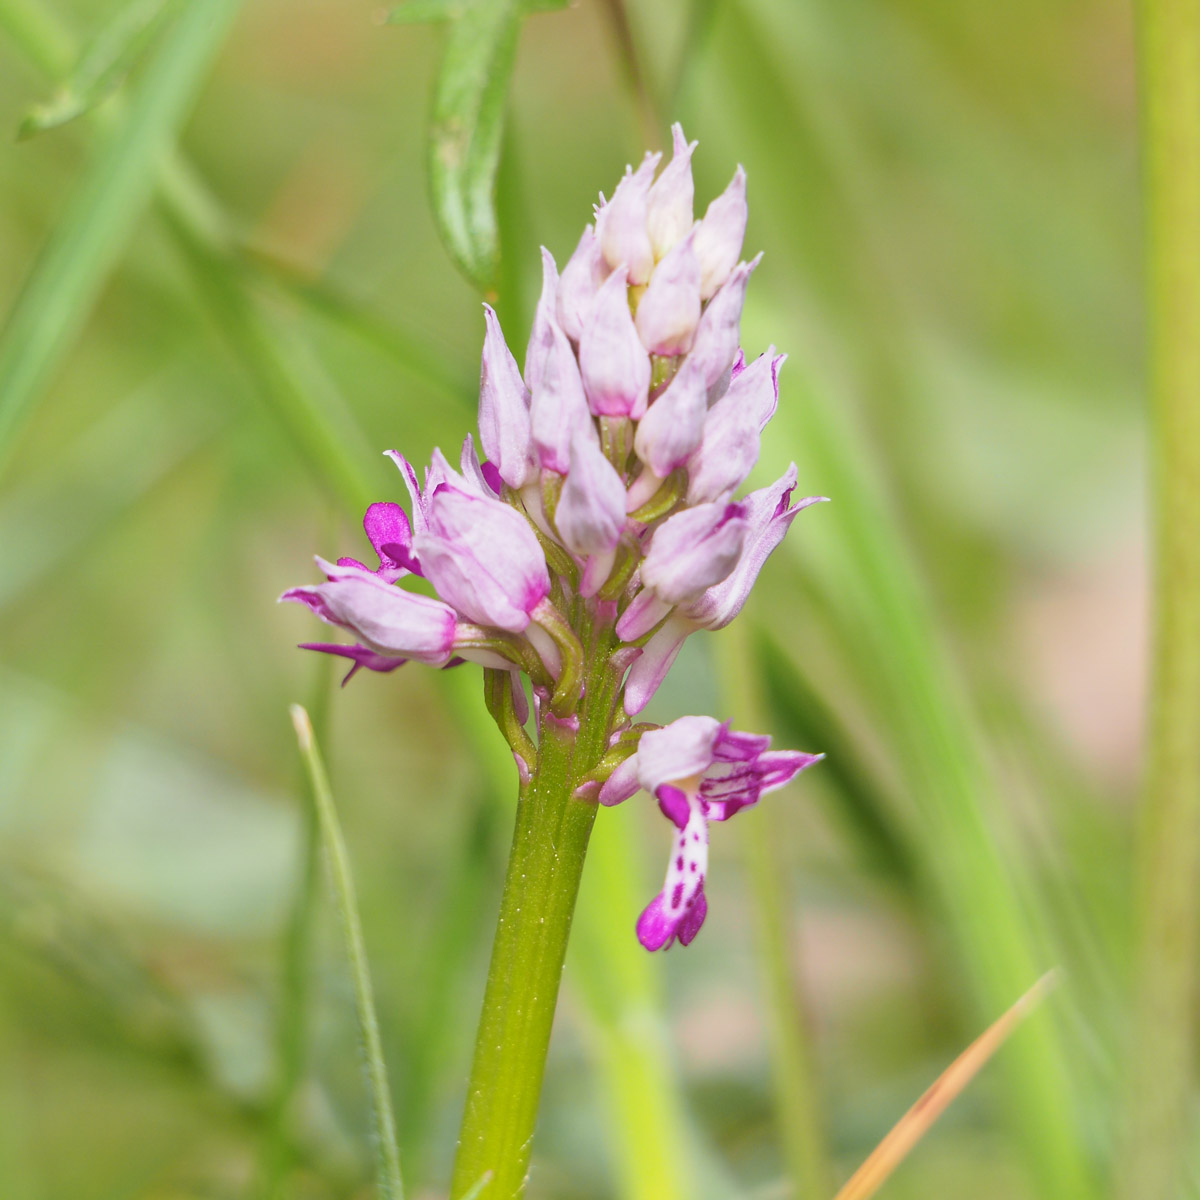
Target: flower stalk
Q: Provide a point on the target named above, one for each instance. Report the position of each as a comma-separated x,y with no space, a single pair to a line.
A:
540,888
1162,1048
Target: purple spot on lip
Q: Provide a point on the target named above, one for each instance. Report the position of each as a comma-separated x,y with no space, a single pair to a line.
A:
679,863
492,475
677,895
692,865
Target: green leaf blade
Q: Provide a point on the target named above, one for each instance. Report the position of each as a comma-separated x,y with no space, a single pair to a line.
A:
102,215
102,68
466,132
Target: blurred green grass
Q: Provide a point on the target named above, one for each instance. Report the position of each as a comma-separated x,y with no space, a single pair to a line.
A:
946,197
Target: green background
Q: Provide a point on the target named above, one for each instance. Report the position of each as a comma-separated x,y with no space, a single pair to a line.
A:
946,195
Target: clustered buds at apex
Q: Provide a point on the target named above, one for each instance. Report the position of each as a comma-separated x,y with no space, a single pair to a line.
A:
603,526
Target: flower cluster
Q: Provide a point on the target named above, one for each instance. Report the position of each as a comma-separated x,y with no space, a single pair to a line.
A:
601,528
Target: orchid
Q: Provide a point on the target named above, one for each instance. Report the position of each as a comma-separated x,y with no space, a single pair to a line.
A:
602,524
602,529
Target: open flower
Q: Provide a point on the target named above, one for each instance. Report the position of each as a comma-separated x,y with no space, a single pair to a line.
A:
388,621
390,535
699,770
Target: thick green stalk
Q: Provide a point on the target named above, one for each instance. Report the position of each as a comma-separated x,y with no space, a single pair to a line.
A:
1161,1064
540,889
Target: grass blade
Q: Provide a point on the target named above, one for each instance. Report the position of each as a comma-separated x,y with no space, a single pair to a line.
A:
944,1090
102,214
301,398
898,655
103,67
1159,1104
802,716
294,986
799,1096
39,34
477,1190
390,1185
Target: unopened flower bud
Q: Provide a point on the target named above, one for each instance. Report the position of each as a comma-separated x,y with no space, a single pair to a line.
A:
559,407
693,550
716,342
504,430
672,428
669,311
720,236
581,279
732,430
482,557
612,360
669,205
621,223
591,509
541,335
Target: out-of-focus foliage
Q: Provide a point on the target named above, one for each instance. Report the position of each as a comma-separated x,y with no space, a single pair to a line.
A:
945,193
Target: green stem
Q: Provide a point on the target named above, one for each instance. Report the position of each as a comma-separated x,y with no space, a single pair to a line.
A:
40,35
1161,1064
635,75
540,889
386,1147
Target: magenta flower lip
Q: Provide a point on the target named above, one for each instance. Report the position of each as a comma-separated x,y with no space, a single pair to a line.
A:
605,523
699,771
